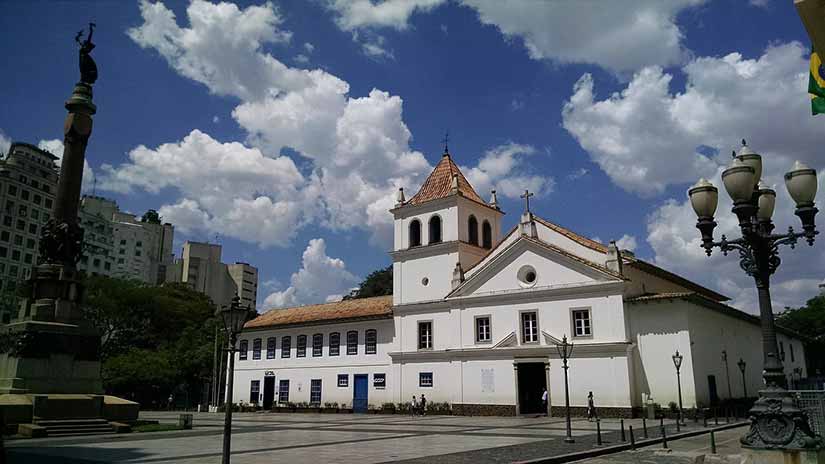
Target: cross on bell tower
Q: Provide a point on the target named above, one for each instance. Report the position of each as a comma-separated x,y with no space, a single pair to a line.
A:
446,141
526,197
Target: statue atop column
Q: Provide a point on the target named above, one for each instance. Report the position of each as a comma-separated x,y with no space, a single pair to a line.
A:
88,68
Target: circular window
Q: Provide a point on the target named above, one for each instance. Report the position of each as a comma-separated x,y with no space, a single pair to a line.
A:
425,281
527,276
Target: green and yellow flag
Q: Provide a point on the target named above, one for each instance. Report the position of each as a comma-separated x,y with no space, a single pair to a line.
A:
816,84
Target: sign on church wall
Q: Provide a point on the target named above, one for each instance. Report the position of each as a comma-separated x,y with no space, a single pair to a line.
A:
488,381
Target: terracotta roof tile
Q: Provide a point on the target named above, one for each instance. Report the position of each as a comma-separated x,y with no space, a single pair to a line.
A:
581,240
439,184
362,308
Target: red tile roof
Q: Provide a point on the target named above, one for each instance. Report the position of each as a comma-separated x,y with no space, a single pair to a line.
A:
378,307
439,184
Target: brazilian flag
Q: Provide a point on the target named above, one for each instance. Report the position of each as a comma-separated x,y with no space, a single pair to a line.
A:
816,84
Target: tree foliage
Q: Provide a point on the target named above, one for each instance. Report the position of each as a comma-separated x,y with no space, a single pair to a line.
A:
378,283
151,216
154,340
809,320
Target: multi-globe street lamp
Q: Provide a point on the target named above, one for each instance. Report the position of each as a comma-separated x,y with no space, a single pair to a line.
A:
565,349
677,363
742,364
777,422
234,317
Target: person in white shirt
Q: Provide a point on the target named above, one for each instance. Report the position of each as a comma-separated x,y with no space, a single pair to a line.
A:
414,406
544,401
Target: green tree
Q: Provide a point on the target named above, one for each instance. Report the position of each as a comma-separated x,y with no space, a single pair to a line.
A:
378,283
151,216
809,320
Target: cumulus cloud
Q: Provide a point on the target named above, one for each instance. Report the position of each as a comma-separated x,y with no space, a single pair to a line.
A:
627,242
55,147
5,142
618,36
503,168
320,279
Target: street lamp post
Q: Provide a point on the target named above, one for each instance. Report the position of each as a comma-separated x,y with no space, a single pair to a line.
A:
677,362
565,349
742,365
727,372
777,422
233,317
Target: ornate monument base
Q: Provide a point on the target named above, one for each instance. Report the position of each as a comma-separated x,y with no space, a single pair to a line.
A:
754,456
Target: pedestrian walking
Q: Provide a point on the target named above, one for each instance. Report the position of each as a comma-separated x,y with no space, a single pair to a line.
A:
591,408
544,396
423,405
414,406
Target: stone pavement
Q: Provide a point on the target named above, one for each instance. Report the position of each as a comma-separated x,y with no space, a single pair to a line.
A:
344,438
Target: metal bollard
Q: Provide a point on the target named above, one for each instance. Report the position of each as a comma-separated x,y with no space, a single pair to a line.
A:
632,439
695,416
712,442
598,432
678,426
623,435
664,438
704,421
644,427
662,421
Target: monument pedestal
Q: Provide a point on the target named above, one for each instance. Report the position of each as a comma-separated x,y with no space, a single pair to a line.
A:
754,456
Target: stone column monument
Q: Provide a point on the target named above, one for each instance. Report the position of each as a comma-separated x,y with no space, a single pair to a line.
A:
50,356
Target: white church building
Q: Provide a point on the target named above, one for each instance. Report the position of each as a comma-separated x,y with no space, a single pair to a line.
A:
475,316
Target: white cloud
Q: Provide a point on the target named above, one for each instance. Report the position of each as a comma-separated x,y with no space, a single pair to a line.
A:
321,278
55,147
516,104
502,168
301,58
309,47
627,242
356,14
577,174
216,119
5,142
647,138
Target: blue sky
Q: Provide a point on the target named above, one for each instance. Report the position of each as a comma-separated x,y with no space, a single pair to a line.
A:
283,128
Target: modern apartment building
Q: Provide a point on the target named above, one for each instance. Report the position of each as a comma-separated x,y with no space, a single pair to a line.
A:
246,279
201,268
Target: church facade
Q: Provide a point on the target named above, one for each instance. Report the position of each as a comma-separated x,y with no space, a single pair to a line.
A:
476,315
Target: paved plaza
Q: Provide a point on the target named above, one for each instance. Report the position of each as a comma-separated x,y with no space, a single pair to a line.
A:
322,438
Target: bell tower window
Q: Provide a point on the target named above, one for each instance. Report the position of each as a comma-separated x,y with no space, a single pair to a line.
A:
486,235
472,230
435,229
415,233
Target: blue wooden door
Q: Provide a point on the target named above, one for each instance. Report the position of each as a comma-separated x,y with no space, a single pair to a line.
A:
359,393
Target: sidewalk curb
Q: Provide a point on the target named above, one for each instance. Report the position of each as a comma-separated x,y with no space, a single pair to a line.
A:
592,453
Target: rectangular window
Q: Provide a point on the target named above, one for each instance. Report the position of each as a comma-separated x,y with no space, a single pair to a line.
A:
352,342
315,392
425,335
48,203
286,346
529,328
24,194
30,243
35,214
581,323
18,240
12,190
107,266
7,221
15,255
301,347
21,224
270,348
123,242
27,258
5,236
254,391
317,345
256,348
243,346
37,199
790,345
425,379
371,341
343,380
379,381
33,228
96,262
334,344
3,252
283,391
483,329
137,252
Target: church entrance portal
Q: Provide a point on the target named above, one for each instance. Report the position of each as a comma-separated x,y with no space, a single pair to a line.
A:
532,381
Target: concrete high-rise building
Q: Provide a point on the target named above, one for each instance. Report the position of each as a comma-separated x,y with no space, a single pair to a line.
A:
201,268
28,183
120,245
246,279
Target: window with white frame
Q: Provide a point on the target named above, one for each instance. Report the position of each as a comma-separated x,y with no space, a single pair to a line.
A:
343,380
334,344
483,329
582,326
286,346
283,391
370,341
425,335
315,392
270,348
301,346
352,342
529,327
254,391
243,347
425,379
317,345
256,348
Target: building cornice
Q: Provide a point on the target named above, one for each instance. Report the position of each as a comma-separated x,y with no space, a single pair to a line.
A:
425,251
585,350
345,320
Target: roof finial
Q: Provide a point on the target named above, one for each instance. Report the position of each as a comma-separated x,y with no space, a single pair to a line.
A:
526,197
446,142
744,143
493,199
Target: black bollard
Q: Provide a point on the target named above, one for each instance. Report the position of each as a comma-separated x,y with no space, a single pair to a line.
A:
644,427
598,432
712,442
662,421
632,439
678,426
664,438
705,421
695,416
623,435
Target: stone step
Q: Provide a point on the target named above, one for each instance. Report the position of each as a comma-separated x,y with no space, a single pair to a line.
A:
66,427
78,422
68,433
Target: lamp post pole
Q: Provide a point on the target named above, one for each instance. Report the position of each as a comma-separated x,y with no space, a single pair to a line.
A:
234,317
742,364
727,372
677,362
565,349
777,422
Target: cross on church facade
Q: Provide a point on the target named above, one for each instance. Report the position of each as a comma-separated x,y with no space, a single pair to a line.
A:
446,141
526,197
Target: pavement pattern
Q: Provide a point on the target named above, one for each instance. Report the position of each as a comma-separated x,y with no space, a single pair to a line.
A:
335,438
